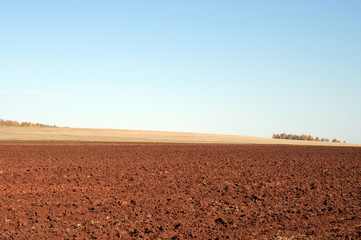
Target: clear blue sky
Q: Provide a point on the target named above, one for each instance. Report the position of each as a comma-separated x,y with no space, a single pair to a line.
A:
249,68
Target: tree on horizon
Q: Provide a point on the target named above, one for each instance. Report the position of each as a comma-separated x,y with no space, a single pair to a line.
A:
10,123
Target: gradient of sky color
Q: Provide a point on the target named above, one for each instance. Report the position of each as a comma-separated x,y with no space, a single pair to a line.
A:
249,68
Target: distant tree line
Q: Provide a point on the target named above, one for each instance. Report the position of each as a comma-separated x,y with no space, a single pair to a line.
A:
302,137
9,123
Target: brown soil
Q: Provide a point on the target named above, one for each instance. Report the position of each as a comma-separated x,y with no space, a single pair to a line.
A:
178,191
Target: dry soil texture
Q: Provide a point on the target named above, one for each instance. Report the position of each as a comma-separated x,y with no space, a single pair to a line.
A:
119,135
178,191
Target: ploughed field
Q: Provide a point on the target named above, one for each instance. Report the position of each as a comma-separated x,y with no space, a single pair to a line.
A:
178,191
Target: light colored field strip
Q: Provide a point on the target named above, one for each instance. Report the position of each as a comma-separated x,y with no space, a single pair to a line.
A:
117,135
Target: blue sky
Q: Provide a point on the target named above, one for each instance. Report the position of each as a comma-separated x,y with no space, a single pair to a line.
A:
249,68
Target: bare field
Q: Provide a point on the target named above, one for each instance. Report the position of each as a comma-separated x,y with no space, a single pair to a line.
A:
78,190
118,135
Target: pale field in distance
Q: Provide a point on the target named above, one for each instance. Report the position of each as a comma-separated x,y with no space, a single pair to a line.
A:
118,135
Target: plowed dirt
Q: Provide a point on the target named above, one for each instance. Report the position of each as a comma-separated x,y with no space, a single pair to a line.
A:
178,191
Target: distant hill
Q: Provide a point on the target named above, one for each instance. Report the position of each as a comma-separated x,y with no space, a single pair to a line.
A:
138,136
10,123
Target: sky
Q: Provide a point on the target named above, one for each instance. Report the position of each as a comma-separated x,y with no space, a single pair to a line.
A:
250,68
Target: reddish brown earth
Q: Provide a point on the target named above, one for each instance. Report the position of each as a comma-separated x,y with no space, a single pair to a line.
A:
178,191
